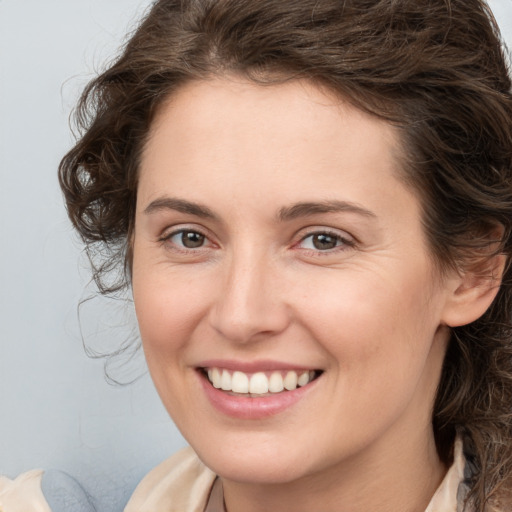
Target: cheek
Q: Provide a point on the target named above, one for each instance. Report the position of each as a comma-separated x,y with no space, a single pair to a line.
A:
379,336
168,307
370,322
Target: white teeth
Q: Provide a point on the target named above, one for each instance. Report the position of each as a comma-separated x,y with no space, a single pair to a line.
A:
225,382
258,383
303,379
215,378
240,383
275,384
290,381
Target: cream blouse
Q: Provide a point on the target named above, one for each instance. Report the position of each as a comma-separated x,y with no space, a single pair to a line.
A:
23,494
184,484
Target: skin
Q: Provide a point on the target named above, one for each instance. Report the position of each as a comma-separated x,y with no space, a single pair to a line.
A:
372,312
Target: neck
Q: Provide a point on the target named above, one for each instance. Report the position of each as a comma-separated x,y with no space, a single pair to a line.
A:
402,479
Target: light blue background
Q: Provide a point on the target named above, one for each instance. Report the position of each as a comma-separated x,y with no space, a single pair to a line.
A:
57,411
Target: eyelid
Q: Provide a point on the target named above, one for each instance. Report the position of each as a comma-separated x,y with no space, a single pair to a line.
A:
172,231
347,240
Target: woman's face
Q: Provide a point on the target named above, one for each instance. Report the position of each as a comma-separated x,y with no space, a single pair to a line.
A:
275,243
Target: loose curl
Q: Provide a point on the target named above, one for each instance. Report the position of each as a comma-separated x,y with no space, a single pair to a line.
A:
435,69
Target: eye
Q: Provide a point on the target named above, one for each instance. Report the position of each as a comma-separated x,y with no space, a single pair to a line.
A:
187,239
324,241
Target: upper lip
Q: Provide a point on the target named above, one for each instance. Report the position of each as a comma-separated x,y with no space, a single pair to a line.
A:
253,366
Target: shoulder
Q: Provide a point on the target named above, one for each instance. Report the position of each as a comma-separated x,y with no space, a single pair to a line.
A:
38,491
23,493
181,483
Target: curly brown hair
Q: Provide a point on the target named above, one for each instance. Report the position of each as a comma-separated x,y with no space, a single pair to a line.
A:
435,69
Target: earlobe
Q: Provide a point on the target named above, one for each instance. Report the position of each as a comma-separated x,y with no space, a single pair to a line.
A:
473,291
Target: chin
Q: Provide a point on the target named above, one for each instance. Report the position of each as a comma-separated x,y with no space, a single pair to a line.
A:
254,462
256,470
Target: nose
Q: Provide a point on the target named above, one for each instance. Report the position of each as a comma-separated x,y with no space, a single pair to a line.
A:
250,303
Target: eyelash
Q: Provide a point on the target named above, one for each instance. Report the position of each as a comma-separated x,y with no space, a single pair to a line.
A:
167,239
342,243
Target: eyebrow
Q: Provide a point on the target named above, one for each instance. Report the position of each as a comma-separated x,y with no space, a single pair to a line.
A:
287,213
180,205
307,209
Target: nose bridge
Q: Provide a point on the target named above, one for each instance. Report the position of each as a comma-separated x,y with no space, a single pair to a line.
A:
249,302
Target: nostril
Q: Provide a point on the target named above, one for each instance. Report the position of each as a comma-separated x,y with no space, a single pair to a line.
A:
245,324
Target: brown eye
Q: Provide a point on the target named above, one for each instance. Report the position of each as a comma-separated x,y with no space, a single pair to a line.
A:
188,239
324,242
192,239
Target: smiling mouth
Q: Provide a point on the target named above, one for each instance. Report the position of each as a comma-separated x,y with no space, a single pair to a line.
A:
259,384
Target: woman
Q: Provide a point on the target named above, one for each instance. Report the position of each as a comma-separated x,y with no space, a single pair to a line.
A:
312,201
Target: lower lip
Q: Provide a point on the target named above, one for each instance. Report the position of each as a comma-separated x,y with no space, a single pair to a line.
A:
247,408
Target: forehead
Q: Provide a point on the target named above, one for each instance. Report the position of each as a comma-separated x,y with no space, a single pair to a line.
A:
251,128
200,104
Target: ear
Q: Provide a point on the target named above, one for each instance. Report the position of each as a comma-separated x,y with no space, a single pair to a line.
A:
472,291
